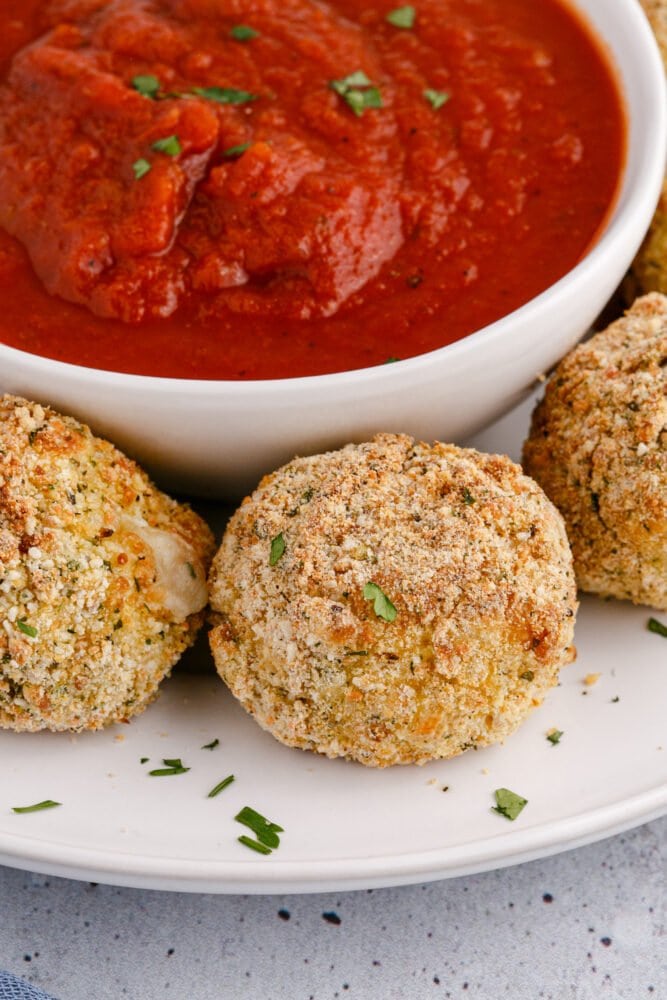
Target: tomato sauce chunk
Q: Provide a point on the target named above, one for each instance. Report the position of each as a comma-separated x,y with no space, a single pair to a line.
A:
236,189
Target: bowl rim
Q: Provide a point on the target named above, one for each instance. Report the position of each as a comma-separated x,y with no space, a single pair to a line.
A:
626,205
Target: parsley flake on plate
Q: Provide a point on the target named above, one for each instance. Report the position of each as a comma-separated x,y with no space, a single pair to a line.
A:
37,807
655,626
508,803
173,765
254,844
265,831
219,787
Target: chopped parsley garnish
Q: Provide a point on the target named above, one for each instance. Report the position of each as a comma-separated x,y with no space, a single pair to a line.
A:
144,760
212,745
225,95
508,803
243,33
468,498
233,152
191,570
436,98
390,361
402,17
277,549
141,167
265,831
382,606
173,765
147,86
554,736
254,844
219,787
170,145
527,675
23,626
655,626
37,807
358,92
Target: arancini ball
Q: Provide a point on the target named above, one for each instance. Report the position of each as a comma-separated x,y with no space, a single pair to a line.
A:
598,448
102,577
393,602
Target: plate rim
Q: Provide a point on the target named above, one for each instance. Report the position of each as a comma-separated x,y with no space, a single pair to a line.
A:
256,877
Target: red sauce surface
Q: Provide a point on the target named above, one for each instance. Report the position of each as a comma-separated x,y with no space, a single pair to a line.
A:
330,240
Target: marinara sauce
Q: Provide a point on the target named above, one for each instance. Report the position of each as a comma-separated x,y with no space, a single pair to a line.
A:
208,189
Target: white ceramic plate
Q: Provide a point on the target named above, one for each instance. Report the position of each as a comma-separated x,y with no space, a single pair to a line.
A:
345,826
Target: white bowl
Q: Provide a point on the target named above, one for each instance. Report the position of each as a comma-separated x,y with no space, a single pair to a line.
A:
219,437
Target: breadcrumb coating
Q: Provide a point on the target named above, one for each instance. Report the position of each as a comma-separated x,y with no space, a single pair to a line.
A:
649,268
468,552
598,447
102,577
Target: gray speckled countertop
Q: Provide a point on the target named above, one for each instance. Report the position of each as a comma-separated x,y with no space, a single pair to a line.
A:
590,923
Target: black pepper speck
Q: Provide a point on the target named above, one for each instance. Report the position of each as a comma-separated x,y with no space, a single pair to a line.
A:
331,918
284,914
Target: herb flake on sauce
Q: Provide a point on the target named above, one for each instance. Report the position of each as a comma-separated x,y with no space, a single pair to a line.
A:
436,98
225,95
170,145
233,152
141,167
243,33
358,92
402,17
147,86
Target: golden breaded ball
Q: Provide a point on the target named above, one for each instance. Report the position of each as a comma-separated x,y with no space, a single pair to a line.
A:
649,268
598,447
393,602
648,272
102,577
